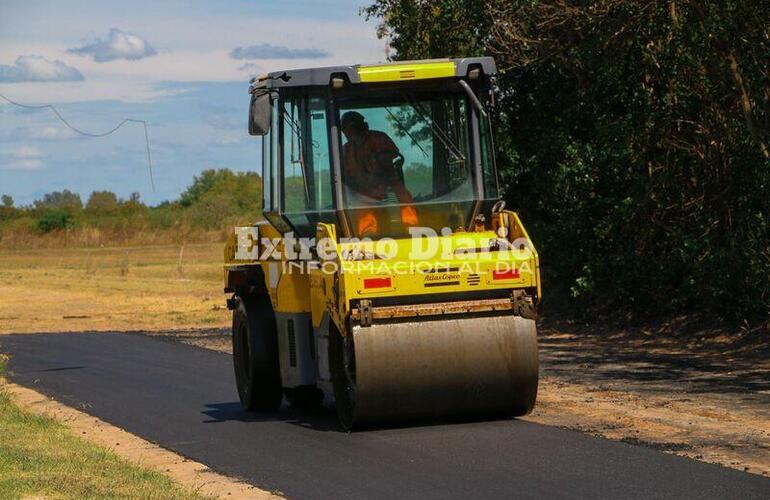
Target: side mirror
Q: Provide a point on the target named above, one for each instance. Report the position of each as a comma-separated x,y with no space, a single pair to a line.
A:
260,113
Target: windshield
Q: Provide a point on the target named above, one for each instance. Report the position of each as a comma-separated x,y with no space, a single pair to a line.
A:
406,161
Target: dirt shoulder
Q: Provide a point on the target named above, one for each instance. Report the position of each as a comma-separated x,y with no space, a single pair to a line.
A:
703,395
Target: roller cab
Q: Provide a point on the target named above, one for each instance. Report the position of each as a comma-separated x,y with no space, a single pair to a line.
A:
385,277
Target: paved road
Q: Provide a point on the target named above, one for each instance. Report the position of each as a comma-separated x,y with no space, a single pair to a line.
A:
183,398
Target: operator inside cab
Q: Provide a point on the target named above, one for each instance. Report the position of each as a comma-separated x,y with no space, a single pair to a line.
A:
371,164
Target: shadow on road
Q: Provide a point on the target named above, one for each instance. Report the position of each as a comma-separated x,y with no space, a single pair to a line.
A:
319,419
325,420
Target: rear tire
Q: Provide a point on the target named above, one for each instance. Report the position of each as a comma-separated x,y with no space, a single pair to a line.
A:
343,377
304,397
255,354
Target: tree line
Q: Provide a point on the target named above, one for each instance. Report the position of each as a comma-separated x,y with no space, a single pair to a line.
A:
214,200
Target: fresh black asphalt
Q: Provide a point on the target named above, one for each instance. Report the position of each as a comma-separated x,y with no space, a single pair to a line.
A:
184,399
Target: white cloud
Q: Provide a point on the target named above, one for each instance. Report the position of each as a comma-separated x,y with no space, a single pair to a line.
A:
102,89
50,133
267,51
44,133
193,59
30,164
230,139
226,121
118,45
250,67
22,158
37,132
26,152
38,69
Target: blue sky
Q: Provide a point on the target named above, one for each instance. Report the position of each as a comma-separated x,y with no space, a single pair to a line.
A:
182,66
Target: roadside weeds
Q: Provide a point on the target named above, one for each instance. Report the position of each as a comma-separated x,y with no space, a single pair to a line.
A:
194,477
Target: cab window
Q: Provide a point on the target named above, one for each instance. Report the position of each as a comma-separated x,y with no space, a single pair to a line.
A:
306,164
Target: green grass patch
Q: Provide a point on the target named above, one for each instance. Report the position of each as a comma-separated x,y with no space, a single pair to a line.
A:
41,458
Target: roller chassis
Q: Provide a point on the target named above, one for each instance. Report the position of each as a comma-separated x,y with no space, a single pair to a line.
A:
423,336
319,359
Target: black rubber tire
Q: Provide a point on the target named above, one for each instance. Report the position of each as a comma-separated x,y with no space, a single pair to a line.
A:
255,354
305,397
344,389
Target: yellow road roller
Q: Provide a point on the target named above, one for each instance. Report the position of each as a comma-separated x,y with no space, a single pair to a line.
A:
386,276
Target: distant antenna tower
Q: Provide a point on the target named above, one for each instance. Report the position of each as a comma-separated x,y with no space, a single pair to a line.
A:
387,50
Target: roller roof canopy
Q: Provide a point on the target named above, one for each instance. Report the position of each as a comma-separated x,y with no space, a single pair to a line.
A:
375,73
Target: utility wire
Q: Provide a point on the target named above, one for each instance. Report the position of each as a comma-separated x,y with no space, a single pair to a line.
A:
91,134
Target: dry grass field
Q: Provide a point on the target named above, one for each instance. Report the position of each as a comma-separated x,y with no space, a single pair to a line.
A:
118,289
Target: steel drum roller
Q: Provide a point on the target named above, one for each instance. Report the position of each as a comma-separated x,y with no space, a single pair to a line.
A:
443,367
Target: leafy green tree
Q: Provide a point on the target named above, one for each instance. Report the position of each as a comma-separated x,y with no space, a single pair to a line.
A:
633,137
54,219
424,29
64,200
132,209
7,210
202,184
218,196
102,203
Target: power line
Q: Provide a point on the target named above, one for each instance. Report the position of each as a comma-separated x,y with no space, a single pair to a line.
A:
92,134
